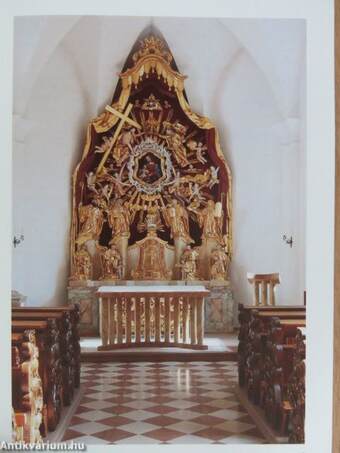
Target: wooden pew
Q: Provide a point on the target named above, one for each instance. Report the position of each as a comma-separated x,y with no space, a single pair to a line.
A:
245,318
258,334
47,340
27,394
74,316
63,320
270,365
296,390
278,366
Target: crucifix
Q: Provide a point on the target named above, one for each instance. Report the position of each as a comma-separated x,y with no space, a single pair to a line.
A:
124,118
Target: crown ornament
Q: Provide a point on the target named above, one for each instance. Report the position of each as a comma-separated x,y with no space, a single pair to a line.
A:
152,45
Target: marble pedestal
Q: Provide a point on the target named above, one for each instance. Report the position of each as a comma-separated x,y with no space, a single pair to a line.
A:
220,307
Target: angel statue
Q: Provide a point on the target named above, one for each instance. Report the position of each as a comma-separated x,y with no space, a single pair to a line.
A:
213,178
177,219
104,146
219,263
188,263
198,148
91,181
111,263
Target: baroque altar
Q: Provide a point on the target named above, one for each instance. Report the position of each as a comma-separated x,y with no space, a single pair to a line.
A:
152,191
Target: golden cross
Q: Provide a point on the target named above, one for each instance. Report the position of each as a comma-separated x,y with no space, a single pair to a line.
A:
124,118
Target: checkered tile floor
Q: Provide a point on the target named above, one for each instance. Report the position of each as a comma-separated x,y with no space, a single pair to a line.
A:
161,403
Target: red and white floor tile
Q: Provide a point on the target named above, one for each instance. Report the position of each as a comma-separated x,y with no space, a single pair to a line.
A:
162,403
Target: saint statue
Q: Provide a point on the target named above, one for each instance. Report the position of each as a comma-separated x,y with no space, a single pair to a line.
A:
219,263
91,219
82,264
188,264
175,138
210,220
119,219
177,219
124,144
111,263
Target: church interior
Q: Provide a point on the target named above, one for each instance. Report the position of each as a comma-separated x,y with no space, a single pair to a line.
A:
158,269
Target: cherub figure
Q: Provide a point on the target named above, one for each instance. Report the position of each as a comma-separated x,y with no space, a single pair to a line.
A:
91,181
195,192
107,191
198,148
104,146
214,178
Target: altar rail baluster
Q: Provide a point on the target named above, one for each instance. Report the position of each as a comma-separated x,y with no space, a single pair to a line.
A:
147,318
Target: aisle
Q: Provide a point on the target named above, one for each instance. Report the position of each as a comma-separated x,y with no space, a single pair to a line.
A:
171,402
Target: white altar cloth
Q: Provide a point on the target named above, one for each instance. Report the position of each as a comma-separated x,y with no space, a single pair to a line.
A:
152,289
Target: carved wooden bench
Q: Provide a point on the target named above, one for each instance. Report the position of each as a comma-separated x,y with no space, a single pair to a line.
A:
246,320
66,345
71,316
50,370
27,394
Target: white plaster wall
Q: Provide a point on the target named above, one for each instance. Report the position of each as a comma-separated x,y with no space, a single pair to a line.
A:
246,75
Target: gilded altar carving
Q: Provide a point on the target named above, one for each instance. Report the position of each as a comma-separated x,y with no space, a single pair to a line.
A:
209,219
119,219
82,265
189,264
111,263
176,217
219,263
91,219
149,160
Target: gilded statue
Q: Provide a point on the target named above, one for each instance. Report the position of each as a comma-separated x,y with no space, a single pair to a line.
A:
152,222
82,264
124,144
111,263
119,219
188,264
177,219
210,219
175,138
91,219
219,263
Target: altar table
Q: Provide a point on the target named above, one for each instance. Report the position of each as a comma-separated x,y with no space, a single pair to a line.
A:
160,316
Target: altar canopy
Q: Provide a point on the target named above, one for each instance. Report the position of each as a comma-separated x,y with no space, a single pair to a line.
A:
152,192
